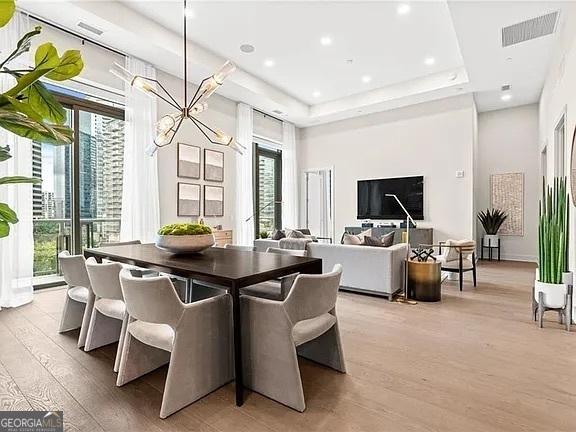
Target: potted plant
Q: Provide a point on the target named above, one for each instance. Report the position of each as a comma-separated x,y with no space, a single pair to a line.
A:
264,235
491,220
185,238
551,288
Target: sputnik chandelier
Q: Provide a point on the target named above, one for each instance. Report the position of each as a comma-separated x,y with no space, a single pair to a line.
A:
168,126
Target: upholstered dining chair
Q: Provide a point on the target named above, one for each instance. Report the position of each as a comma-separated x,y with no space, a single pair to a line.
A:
239,247
195,339
79,295
275,289
274,333
459,256
109,320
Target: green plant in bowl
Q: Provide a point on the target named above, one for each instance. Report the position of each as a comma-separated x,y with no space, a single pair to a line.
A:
184,238
181,229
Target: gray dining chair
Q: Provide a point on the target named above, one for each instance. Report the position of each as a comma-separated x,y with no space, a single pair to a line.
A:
194,339
79,296
109,319
275,289
274,333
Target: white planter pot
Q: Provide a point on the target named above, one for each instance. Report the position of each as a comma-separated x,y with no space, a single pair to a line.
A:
185,243
490,240
554,294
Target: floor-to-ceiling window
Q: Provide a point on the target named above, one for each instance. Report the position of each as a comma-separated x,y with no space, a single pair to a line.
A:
79,202
268,190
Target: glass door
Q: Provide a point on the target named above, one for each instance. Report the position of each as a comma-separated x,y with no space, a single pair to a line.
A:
268,190
79,202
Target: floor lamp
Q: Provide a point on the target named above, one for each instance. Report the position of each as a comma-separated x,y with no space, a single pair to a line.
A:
408,220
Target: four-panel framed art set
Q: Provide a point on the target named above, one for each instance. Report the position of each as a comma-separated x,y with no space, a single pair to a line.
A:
189,194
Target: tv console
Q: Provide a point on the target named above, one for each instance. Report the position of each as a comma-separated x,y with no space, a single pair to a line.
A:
418,236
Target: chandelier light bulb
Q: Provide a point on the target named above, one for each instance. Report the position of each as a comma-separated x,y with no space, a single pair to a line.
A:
167,122
198,108
225,70
162,138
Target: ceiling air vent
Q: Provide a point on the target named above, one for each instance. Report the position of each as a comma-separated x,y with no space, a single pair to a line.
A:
89,28
505,87
530,29
278,112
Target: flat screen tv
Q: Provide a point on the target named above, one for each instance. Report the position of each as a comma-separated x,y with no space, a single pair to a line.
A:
374,204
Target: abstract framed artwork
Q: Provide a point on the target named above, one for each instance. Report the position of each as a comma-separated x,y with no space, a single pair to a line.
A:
213,165
188,199
188,161
213,201
507,194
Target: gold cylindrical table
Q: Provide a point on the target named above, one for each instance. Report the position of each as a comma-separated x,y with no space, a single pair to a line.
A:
424,280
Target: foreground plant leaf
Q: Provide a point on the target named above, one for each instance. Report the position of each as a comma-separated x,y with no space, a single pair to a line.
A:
23,45
7,214
19,180
7,9
4,229
37,131
70,65
5,153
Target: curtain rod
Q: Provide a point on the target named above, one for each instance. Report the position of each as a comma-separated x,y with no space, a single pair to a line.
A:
76,35
268,115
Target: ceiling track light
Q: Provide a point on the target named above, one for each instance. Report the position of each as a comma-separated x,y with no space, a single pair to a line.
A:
169,125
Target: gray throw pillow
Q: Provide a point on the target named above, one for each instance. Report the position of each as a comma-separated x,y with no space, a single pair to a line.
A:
387,240
294,234
372,241
278,235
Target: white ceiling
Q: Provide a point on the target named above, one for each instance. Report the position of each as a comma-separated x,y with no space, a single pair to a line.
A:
462,36
381,44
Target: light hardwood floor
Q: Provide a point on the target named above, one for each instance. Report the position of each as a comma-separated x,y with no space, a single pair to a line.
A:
474,362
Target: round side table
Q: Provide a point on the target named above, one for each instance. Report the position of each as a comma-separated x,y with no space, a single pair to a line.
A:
424,280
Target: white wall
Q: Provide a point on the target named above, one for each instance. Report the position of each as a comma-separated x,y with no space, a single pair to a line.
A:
222,115
559,94
434,139
508,143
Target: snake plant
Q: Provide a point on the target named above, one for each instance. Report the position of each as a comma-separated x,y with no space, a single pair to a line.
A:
492,220
553,232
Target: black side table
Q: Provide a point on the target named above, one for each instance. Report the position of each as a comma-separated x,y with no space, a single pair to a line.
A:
490,247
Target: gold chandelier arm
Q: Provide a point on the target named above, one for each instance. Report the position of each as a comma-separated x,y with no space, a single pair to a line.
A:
170,100
232,144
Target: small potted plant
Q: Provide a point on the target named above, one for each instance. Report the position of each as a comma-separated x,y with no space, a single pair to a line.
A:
264,235
491,220
551,288
185,238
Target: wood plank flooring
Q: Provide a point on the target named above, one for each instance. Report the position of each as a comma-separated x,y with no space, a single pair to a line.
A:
474,362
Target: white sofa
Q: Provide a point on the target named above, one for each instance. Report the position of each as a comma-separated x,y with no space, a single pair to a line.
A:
373,270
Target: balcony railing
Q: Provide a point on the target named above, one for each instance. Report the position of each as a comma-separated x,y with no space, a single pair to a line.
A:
52,236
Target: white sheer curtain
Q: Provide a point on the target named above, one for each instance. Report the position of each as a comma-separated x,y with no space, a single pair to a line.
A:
140,198
244,232
289,177
16,250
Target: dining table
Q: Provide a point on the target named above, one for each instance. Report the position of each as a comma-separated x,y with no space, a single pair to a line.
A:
228,268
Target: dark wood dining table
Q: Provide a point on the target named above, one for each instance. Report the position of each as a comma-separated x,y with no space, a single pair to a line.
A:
231,269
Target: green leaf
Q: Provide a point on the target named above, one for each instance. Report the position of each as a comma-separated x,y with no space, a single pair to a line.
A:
46,56
24,108
7,9
25,127
5,153
4,229
8,214
19,180
44,103
70,65
23,45
25,81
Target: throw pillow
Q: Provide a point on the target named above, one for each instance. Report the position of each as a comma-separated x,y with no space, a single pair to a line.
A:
294,234
387,239
278,234
372,241
351,239
454,253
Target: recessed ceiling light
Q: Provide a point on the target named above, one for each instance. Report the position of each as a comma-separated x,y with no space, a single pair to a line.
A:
326,40
506,97
189,12
316,94
269,63
429,61
366,79
452,77
247,48
403,9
